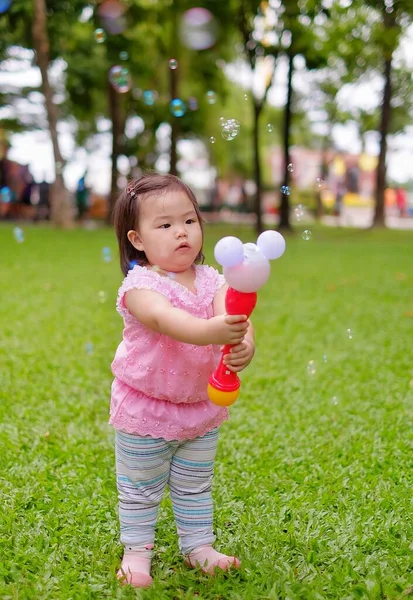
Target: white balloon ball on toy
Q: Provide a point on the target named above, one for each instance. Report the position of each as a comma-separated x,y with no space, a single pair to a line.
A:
271,244
229,251
251,274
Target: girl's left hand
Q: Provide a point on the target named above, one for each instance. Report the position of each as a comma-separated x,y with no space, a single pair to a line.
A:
240,356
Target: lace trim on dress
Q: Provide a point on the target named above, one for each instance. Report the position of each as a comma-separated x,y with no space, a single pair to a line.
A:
167,432
206,284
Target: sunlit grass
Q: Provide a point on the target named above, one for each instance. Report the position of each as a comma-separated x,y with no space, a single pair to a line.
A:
313,485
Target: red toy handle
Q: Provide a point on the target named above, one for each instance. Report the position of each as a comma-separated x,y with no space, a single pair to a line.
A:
236,303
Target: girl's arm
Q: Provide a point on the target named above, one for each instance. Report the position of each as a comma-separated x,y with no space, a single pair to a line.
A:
156,312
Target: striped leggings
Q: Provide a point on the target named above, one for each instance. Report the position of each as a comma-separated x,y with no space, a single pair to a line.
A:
144,466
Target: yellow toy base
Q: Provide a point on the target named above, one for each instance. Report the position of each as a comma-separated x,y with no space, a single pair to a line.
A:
222,398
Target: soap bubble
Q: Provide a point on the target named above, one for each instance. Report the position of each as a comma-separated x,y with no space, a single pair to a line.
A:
198,29
173,64
335,400
106,254
325,358
212,139
350,334
270,128
229,251
149,97
18,235
319,182
271,244
285,189
290,167
311,369
211,97
120,79
178,107
111,15
100,35
123,55
246,97
102,297
5,194
4,5
299,211
306,235
89,348
193,103
230,129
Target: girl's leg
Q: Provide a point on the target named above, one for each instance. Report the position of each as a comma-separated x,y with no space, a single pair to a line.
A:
190,482
142,471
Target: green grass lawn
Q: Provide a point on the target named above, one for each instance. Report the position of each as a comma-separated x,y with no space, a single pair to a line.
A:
314,473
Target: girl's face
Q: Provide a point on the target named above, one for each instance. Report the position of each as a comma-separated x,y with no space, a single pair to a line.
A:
169,231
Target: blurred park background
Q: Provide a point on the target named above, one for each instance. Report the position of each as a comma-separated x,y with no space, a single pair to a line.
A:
294,115
262,107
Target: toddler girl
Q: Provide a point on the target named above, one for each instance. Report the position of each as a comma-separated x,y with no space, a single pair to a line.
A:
174,323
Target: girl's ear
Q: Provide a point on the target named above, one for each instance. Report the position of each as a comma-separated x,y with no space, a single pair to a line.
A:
135,240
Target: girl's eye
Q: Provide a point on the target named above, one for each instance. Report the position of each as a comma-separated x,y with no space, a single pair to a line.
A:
190,221
165,226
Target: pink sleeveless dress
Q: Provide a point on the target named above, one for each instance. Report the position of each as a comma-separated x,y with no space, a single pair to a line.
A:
160,385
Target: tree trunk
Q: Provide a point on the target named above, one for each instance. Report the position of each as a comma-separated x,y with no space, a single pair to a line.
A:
174,123
173,85
257,170
285,203
62,210
379,216
323,175
118,128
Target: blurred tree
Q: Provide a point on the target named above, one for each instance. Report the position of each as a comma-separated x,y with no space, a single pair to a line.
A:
261,59
26,24
60,202
391,20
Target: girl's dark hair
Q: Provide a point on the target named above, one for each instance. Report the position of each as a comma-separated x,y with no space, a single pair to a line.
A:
126,214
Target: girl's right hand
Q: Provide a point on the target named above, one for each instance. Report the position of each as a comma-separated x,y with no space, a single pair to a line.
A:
228,329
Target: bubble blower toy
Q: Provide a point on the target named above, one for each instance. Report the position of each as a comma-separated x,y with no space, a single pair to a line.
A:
246,268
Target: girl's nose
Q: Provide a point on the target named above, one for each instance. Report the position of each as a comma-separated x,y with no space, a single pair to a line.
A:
180,231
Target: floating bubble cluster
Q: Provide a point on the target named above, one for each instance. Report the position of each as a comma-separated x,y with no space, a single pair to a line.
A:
230,129
211,97
306,235
285,189
198,29
178,107
18,235
120,79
